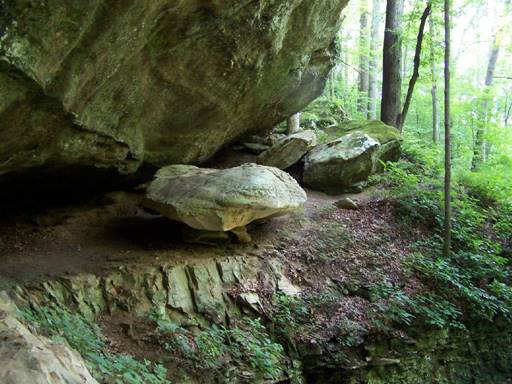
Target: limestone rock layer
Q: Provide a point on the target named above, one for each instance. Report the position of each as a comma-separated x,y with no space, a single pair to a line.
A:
120,84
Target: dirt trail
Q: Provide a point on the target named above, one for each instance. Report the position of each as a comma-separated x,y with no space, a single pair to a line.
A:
98,236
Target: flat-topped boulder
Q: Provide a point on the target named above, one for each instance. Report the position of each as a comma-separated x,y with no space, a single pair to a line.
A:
223,200
288,150
336,166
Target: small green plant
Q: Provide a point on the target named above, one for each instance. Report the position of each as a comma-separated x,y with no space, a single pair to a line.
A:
86,338
247,342
289,312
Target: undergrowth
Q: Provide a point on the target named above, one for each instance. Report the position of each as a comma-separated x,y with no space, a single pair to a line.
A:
86,338
217,347
474,282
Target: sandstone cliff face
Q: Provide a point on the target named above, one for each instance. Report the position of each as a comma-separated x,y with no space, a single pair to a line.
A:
120,84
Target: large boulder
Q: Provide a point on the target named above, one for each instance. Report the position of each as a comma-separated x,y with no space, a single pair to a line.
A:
26,357
223,200
118,85
387,136
338,165
288,150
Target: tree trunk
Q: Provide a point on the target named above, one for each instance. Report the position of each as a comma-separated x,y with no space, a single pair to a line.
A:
363,58
416,70
374,61
433,71
447,139
391,66
480,145
293,124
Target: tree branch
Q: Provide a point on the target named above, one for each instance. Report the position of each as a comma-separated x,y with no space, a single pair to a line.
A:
416,72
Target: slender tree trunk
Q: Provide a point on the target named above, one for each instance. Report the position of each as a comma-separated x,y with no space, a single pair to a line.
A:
392,60
480,145
447,133
433,71
363,58
416,70
293,124
374,61
331,85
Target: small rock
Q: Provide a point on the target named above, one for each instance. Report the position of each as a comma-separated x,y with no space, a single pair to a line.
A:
241,234
252,301
347,203
197,236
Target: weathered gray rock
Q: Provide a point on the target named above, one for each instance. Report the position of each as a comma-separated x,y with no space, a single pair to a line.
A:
256,148
289,150
346,203
336,166
26,358
387,136
222,200
156,82
345,163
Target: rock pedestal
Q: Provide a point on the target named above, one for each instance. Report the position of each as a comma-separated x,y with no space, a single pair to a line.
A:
223,200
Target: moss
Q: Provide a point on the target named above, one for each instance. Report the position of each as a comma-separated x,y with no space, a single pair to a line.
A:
376,129
483,355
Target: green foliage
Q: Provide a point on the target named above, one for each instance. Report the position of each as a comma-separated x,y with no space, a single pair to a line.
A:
248,342
473,282
289,313
86,338
397,304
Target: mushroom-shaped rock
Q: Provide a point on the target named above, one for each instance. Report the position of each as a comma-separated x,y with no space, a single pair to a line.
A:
337,166
222,200
288,150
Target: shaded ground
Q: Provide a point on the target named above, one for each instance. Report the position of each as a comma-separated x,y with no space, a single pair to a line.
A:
337,257
98,235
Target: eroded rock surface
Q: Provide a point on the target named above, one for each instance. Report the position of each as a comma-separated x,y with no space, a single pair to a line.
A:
358,151
336,166
288,150
222,200
387,136
29,358
156,82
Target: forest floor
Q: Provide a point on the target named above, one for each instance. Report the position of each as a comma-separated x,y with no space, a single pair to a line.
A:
323,247
338,258
98,235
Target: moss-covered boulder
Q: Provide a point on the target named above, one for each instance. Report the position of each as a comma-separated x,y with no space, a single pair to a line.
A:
336,166
121,84
387,136
223,200
356,150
